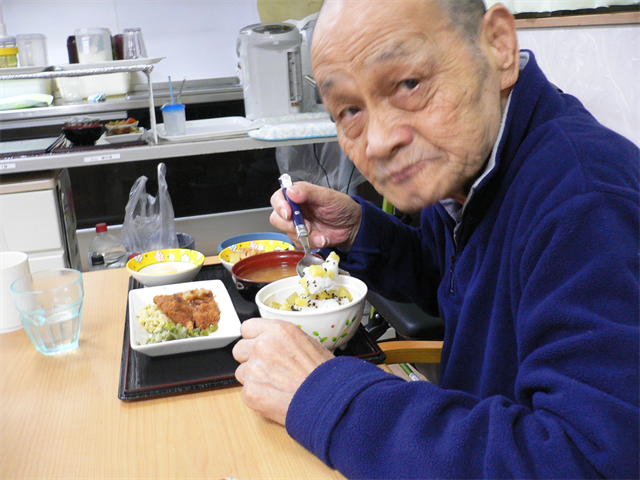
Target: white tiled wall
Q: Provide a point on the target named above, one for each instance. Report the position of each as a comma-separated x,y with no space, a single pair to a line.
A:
598,65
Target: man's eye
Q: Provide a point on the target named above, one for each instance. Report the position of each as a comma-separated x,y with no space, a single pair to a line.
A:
349,112
409,84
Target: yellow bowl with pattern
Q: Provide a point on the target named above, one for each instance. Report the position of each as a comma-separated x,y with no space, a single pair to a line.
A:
166,266
232,254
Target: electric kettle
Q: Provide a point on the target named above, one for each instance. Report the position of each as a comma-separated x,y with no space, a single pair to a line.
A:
271,69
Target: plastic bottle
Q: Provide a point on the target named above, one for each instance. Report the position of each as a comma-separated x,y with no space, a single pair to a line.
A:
8,49
105,250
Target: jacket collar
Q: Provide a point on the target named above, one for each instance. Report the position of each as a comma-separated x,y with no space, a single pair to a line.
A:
453,208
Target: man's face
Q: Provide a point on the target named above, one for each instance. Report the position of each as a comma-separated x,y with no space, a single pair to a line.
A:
417,108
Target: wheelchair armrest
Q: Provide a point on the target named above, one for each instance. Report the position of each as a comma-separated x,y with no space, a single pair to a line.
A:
408,320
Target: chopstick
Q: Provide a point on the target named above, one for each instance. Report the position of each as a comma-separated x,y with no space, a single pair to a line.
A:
59,141
408,371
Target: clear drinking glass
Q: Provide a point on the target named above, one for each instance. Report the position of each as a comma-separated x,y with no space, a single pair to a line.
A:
133,44
32,49
94,45
50,306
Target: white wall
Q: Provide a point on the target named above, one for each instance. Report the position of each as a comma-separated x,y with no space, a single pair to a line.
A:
197,37
599,65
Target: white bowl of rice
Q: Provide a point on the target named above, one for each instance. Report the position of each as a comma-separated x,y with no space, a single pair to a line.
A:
332,324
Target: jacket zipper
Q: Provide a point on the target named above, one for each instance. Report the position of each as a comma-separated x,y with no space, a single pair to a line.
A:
453,260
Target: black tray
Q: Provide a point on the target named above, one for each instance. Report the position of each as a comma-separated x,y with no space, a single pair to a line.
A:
143,377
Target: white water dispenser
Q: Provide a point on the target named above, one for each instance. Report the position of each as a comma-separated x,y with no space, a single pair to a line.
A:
271,69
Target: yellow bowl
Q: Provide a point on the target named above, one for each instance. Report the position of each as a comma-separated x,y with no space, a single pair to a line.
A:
167,266
228,259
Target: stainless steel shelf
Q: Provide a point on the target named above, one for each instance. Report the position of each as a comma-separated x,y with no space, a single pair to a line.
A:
52,72
197,91
29,163
115,107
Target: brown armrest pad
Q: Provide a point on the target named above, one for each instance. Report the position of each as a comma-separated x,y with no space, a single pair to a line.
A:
412,351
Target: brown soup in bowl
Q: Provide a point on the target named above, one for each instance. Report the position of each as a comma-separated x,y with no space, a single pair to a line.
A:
253,273
271,274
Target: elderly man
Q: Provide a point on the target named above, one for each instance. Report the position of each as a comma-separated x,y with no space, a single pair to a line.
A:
528,249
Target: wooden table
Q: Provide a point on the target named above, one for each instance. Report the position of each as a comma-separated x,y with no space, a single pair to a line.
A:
61,416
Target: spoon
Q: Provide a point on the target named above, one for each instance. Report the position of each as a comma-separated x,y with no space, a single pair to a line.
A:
180,91
301,229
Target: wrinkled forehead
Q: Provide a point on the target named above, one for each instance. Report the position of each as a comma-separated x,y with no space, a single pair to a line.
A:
347,27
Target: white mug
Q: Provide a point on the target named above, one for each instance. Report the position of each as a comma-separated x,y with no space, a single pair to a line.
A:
13,265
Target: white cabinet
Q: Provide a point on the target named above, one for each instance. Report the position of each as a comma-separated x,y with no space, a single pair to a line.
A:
37,217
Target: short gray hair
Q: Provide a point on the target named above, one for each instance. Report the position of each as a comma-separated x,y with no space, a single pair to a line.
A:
465,16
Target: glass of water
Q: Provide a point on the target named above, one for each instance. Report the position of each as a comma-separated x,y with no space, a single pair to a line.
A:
50,306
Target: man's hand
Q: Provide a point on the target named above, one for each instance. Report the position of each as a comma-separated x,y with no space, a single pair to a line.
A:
275,358
332,218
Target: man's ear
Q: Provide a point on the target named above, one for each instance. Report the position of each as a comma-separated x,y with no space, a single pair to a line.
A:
499,36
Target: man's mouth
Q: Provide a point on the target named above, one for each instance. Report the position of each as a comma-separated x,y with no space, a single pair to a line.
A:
405,173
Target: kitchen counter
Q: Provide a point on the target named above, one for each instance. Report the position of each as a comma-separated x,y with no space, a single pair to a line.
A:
61,416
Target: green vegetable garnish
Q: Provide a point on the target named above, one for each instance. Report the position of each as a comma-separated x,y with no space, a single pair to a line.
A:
172,331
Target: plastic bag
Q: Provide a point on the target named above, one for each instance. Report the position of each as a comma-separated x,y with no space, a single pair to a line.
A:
149,222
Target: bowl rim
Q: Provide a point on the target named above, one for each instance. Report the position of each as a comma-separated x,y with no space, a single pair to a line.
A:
226,250
246,237
262,258
339,308
199,259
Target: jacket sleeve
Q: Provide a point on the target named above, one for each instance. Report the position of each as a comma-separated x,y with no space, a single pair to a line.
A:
370,424
574,411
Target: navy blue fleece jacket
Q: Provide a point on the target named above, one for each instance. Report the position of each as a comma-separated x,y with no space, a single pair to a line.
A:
540,297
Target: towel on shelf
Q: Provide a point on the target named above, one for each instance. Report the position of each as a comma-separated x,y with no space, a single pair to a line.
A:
27,100
296,126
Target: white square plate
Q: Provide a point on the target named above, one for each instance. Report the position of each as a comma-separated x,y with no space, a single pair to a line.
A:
124,137
228,326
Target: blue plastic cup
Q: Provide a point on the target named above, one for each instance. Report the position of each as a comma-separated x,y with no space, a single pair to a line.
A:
175,122
50,306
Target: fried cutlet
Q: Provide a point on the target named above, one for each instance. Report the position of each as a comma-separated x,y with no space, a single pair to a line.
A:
193,308
174,307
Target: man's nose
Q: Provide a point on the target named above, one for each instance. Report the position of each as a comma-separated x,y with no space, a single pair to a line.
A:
386,135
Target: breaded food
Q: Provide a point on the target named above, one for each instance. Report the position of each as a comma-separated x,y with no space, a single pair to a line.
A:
194,308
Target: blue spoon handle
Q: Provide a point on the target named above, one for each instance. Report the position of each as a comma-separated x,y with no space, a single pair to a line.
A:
296,213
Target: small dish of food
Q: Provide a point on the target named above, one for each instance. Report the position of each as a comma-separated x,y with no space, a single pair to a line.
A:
252,273
82,130
247,237
238,251
125,137
121,127
166,266
184,317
